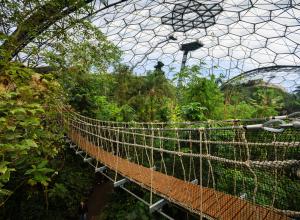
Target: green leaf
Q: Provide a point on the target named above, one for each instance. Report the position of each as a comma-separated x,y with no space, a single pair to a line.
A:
3,169
32,182
18,111
30,143
42,164
30,122
46,170
44,183
5,192
11,128
12,136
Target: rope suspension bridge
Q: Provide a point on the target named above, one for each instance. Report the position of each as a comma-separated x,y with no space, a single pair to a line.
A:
235,169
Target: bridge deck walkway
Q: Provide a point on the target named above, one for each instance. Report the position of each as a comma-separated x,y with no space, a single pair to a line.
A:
201,200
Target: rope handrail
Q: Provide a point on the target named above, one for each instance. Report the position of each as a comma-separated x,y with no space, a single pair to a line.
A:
280,128
276,164
123,130
293,115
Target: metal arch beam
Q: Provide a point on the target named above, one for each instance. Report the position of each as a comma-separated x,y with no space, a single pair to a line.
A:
107,5
260,70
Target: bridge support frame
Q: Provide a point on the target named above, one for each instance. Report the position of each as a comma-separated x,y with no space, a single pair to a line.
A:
120,182
100,169
79,152
195,181
157,206
68,140
87,159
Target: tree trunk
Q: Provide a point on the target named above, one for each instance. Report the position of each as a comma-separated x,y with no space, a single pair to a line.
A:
39,21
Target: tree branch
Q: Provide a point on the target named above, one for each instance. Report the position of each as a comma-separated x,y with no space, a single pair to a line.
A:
39,21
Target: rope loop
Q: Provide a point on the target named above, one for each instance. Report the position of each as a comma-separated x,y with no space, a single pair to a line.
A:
294,115
272,123
179,154
296,124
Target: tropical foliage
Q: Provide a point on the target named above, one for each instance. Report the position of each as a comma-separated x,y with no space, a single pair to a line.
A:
51,56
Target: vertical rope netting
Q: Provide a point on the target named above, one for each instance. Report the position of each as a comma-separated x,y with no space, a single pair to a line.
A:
200,173
89,129
146,151
210,170
135,151
91,143
240,147
126,149
108,147
251,170
106,141
142,141
191,151
152,166
193,162
91,137
126,146
84,135
125,139
117,154
248,158
208,151
162,161
190,165
234,155
179,155
123,150
75,131
78,133
174,158
275,173
85,139
94,133
130,150
110,143
99,142
142,150
81,126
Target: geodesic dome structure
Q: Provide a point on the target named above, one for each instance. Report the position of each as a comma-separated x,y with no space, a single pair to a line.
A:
258,38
